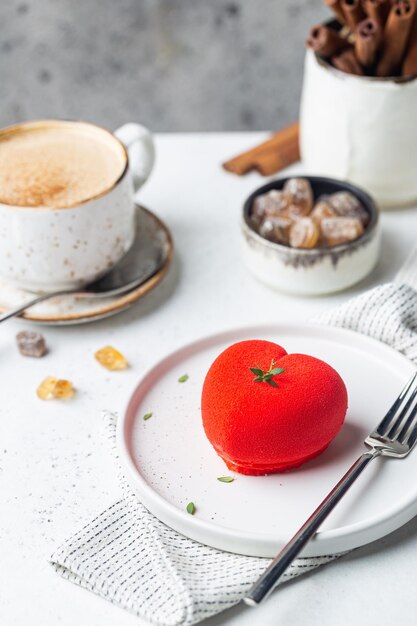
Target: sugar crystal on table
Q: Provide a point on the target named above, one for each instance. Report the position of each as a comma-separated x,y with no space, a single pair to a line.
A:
111,359
31,343
63,389
52,387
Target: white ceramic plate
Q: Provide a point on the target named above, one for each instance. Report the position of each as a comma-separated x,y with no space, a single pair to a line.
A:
169,461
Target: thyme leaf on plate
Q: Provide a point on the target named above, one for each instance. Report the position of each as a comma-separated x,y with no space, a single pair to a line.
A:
190,508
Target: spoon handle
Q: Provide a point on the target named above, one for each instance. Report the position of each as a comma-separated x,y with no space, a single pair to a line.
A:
26,305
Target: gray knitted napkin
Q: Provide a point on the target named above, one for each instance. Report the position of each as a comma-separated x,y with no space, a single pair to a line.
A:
130,558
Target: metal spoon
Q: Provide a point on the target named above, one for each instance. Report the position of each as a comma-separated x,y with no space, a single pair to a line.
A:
144,259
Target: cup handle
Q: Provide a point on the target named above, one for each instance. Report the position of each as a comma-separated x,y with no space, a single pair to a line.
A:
139,143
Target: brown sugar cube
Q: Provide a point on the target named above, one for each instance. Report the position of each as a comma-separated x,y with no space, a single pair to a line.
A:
337,230
298,192
271,204
31,343
257,212
347,205
321,210
295,211
304,233
276,229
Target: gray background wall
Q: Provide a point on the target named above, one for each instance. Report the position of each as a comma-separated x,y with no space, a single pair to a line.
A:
171,64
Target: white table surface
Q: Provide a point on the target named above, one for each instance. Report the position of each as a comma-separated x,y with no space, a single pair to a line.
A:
55,470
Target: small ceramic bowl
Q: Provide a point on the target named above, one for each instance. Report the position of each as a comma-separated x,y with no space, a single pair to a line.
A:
319,270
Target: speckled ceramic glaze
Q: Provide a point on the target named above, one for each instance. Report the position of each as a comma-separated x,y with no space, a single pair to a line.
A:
47,249
320,270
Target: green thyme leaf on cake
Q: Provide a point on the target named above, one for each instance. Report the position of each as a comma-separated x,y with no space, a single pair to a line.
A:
262,376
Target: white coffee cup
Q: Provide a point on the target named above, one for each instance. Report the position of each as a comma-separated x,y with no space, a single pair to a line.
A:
360,129
44,248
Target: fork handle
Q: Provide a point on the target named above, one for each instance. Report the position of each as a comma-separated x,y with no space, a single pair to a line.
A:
266,583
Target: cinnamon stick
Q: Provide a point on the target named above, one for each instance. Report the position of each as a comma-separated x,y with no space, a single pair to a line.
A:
409,67
396,34
367,42
377,10
347,62
278,152
273,161
353,12
325,41
335,6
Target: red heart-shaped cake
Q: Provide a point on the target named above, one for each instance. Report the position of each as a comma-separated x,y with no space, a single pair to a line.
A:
267,411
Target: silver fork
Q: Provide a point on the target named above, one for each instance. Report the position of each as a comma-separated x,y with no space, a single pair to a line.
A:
394,437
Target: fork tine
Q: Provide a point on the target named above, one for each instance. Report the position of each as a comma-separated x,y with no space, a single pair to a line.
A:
412,437
383,426
399,422
404,427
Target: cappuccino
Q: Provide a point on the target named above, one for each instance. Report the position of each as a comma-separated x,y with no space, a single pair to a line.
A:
57,164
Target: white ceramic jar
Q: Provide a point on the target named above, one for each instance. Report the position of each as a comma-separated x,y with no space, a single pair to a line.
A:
47,249
360,129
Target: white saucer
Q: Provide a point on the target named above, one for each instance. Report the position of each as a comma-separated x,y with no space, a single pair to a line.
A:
153,241
169,462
